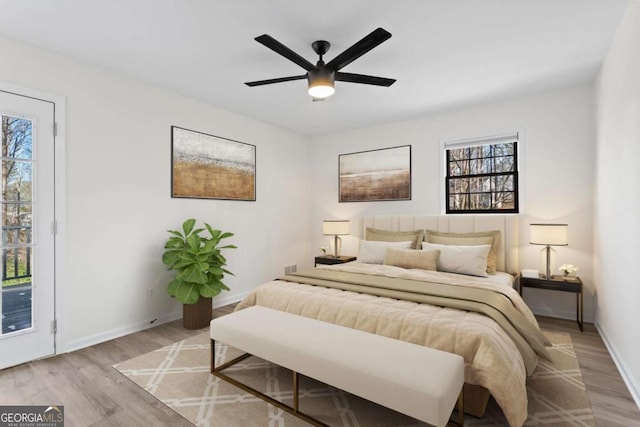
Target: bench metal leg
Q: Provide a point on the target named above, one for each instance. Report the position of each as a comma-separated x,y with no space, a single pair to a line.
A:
215,369
292,410
295,391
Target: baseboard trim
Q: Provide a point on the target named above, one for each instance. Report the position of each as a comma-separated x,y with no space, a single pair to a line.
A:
226,300
142,325
120,332
634,388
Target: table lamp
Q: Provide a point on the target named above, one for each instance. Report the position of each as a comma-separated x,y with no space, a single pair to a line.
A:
335,228
549,235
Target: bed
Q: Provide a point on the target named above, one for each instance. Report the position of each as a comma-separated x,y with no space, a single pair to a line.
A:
481,318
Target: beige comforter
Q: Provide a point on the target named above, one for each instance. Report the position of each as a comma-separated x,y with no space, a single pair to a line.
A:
492,358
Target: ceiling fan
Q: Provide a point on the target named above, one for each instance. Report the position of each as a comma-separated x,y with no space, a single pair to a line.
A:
321,77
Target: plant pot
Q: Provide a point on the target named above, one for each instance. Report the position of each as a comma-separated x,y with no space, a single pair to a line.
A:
198,315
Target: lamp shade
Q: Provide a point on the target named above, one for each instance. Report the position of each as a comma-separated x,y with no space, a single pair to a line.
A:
335,227
549,234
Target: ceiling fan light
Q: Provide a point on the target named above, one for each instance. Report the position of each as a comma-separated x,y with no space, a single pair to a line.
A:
321,89
321,83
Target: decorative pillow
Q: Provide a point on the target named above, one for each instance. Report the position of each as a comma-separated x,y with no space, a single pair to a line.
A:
395,236
470,260
492,238
408,258
372,252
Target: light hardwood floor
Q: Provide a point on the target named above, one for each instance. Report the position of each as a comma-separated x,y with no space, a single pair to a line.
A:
94,394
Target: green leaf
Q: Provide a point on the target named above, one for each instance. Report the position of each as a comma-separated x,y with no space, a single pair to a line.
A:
202,257
177,233
187,293
225,235
195,275
197,231
217,271
229,247
194,242
175,243
173,286
182,274
210,290
210,245
187,255
228,272
187,226
205,252
170,258
183,263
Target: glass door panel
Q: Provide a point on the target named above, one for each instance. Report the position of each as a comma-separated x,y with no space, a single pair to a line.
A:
17,242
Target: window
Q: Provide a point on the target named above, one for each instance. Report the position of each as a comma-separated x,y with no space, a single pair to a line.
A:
482,175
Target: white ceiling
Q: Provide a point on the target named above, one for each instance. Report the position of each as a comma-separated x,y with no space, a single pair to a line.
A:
444,53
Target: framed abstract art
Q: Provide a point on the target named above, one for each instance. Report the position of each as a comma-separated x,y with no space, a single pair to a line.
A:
375,175
206,166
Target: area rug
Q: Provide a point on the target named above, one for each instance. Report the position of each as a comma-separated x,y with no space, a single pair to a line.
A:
178,375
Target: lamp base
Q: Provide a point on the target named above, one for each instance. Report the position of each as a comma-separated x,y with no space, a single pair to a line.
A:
549,254
336,246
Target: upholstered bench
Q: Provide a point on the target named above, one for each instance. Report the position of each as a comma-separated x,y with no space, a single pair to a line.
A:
418,381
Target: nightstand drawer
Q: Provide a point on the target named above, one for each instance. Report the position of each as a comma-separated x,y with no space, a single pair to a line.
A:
330,259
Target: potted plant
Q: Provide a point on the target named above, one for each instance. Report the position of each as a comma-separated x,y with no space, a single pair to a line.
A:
199,267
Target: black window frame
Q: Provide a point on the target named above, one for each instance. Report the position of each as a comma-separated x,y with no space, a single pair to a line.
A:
513,174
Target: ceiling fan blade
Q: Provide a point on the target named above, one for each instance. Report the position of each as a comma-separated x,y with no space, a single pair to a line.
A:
364,79
278,80
278,47
370,41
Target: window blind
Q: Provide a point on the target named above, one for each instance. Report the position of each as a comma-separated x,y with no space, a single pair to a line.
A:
474,142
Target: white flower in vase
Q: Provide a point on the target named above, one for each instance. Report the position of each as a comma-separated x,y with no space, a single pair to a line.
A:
569,269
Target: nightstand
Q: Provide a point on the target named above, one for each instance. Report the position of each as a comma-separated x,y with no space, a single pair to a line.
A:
557,283
330,259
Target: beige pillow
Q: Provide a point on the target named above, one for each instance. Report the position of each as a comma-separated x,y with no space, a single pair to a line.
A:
416,236
407,258
462,259
492,238
372,252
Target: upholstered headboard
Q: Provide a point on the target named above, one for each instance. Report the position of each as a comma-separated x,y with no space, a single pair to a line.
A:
507,224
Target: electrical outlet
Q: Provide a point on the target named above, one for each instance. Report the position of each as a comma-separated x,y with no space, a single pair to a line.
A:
288,269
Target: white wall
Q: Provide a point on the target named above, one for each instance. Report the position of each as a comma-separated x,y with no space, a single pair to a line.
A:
556,175
617,195
118,195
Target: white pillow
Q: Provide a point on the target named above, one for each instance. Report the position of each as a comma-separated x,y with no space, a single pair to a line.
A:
373,252
470,260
